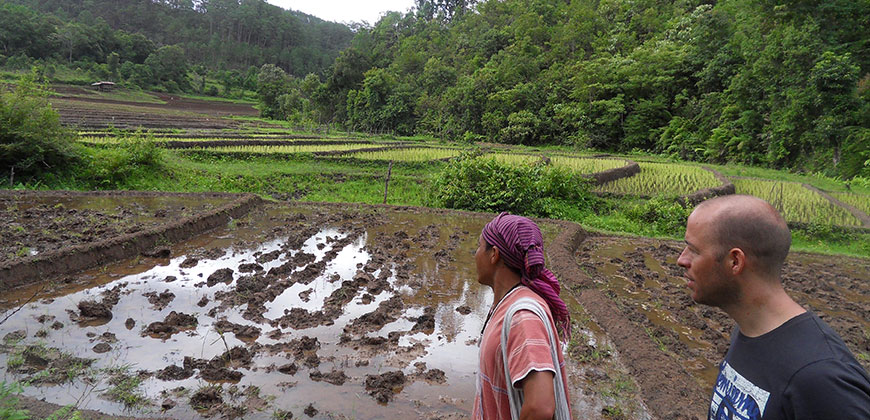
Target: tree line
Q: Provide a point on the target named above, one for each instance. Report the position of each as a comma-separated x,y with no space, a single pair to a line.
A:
780,83
184,40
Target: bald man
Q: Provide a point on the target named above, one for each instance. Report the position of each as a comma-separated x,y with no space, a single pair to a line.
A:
784,362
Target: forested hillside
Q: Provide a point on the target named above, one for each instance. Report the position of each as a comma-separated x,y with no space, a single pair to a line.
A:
215,34
778,83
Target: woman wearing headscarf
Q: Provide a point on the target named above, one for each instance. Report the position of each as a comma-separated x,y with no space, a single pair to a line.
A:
510,260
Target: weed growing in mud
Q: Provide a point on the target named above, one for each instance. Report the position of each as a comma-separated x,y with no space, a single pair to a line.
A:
66,413
659,343
125,388
22,252
9,402
282,415
15,361
614,413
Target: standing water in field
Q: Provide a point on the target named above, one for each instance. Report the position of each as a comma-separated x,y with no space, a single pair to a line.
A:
355,313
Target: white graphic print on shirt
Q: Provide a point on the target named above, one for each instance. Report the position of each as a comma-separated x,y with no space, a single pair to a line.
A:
736,398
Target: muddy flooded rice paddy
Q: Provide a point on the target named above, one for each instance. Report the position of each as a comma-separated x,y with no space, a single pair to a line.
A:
357,313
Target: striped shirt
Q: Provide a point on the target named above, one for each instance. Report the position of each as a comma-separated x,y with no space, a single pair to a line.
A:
528,350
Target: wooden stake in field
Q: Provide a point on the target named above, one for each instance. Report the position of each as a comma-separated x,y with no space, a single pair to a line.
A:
387,184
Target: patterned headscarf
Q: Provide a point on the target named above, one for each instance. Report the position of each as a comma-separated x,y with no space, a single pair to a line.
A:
520,244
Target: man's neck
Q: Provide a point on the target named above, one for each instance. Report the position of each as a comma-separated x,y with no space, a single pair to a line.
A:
763,310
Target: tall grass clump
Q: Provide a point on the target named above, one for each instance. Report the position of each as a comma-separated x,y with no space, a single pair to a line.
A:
485,184
134,154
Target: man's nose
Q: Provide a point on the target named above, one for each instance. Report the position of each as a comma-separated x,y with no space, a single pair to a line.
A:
683,261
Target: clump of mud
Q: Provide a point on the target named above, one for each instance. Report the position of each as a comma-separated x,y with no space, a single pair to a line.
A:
224,275
388,311
159,300
335,377
246,333
207,399
173,323
90,310
384,386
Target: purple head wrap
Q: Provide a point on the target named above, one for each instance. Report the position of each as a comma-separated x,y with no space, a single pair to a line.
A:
520,245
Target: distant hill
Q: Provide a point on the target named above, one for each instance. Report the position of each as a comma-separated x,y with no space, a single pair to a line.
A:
218,34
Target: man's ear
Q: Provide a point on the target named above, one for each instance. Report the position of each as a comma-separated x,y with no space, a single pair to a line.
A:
736,261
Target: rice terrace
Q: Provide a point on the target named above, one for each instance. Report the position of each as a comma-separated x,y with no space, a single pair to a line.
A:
211,245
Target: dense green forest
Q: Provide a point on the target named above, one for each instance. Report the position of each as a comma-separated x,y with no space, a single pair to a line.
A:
777,83
781,83
158,43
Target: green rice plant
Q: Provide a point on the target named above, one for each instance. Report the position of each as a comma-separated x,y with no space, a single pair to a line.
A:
285,149
859,201
587,165
797,204
515,159
662,179
92,139
413,154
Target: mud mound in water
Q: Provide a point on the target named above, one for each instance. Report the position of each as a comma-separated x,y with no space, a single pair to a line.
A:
242,332
173,323
93,310
224,275
174,373
159,300
388,311
206,398
335,377
384,386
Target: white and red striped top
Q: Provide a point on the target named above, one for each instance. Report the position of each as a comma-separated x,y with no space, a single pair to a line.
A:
528,350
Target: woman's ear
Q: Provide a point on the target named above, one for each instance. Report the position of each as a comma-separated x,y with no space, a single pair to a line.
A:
496,256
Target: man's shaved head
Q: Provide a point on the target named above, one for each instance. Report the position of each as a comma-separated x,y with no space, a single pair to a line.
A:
754,226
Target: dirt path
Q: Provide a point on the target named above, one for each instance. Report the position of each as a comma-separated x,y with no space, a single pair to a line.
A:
860,215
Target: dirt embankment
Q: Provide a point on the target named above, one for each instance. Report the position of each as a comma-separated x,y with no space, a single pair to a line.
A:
667,387
108,248
693,199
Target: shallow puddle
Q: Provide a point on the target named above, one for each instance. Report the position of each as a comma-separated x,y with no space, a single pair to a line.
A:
403,282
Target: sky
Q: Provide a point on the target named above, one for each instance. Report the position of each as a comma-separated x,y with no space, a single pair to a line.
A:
345,10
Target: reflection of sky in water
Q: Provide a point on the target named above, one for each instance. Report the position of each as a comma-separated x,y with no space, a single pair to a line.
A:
451,347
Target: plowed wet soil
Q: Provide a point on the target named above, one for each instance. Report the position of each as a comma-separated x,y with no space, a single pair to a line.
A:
642,276
34,225
341,311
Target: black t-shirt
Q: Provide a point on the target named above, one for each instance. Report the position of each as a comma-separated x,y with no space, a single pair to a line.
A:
800,370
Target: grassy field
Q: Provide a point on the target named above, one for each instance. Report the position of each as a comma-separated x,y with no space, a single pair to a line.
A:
415,154
796,202
859,201
663,178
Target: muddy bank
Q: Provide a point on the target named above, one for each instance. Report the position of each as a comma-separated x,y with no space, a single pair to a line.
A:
667,387
638,294
104,248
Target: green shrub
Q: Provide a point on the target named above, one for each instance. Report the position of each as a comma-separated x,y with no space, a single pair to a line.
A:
662,214
111,167
483,184
32,140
